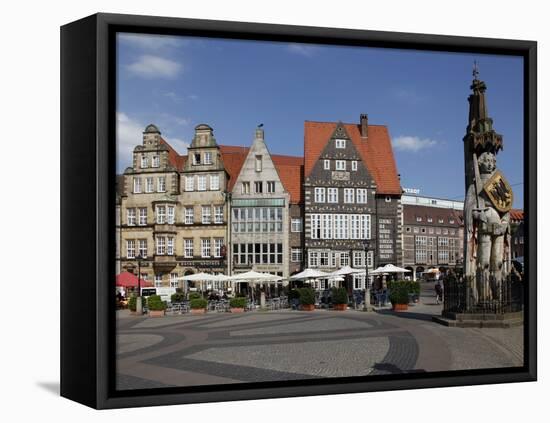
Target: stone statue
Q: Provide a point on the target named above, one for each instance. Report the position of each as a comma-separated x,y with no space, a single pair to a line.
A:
487,204
488,232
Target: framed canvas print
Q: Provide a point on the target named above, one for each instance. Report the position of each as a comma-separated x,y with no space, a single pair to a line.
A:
257,211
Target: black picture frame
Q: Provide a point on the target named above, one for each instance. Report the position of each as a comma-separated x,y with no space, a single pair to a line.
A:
88,196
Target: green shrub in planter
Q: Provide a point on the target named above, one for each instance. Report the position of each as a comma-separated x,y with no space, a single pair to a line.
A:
339,295
194,295
178,297
414,287
155,303
307,296
293,293
237,302
198,303
132,302
399,292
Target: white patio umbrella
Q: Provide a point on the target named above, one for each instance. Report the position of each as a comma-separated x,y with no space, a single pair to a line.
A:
309,274
387,269
199,277
347,270
252,275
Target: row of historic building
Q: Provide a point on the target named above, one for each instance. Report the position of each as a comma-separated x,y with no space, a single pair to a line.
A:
230,209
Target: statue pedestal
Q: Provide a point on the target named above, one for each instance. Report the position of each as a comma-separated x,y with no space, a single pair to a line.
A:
478,320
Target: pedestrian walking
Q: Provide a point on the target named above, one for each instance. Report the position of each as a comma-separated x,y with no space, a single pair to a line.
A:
438,292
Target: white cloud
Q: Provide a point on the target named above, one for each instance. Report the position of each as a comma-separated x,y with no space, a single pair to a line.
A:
150,42
303,49
129,133
178,144
149,67
413,144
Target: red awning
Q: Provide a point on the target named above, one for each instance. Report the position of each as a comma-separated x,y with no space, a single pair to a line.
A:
129,280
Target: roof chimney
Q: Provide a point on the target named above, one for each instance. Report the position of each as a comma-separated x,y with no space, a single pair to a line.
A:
364,119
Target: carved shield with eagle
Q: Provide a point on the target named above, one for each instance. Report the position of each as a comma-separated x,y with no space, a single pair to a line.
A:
499,192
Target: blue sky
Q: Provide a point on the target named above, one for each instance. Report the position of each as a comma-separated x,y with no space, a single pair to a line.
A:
179,82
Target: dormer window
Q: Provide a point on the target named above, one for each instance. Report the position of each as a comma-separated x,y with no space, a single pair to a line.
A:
208,158
430,220
440,220
418,219
258,163
144,162
340,143
197,158
451,221
155,161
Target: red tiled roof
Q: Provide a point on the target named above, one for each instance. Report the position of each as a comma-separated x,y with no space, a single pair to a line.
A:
516,214
290,169
174,158
376,151
411,212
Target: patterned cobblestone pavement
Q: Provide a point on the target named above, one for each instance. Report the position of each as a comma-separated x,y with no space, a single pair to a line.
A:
222,348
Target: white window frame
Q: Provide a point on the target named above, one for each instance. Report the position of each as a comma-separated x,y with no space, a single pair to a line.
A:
189,183
188,248
161,245
316,232
341,165
326,164
206,215
344,258
362,196
149,186
174,283
388,199
170,246
137,185
354,165
218,243
158,281
313,259
201,183
258,163
296,224
258,187
155,161
218,214
245,187
214,182
332,195
340,143
207,158
349,195
131,216
195,161
160,214
320,194
161,184
270,187
170,215
296,255
189,215
142,248
142,218
131,248
144,162
358,259
205,247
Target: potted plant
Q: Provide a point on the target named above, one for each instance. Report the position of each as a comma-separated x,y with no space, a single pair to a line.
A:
198,305
237,304
340,299
307,299
399,295
132,303
177,297
414,290
156,306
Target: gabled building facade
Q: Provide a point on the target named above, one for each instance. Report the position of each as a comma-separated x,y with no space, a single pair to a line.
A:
149,203
259,214
351,193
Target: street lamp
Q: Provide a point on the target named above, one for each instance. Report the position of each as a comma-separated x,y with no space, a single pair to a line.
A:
139,307
367,245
